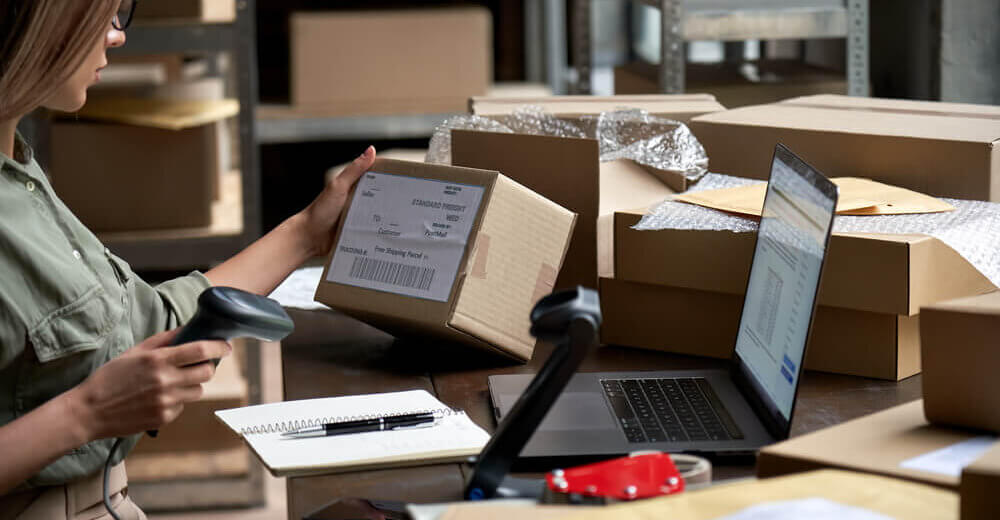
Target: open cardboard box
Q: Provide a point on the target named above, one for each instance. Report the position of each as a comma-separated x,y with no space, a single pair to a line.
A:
941,149
879,443
704,323
568,172
456,254
889,274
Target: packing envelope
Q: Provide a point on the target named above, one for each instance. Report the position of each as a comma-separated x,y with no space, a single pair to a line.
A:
857,197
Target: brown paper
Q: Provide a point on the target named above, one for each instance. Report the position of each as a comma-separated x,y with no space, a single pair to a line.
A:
857,197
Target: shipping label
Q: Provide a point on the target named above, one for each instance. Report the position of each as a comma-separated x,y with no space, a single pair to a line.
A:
405,235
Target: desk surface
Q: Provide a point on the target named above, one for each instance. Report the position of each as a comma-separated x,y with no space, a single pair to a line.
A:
330,354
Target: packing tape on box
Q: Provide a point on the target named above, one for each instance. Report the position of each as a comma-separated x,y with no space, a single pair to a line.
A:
633,134
972,230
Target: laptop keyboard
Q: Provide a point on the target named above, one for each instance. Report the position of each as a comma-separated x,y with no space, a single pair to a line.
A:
670,409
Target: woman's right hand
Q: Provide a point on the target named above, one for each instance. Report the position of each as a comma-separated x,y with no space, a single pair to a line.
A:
144,388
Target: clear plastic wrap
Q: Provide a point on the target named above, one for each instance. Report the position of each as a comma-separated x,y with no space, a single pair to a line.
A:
972,230
625,134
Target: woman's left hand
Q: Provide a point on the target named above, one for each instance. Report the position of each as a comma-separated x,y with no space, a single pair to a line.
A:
322,214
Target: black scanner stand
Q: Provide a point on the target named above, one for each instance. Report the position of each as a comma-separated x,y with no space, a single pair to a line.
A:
569,320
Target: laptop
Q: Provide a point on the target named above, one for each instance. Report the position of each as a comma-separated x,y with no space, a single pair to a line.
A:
734,411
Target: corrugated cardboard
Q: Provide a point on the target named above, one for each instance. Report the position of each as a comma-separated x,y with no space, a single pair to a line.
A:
978,490
123,177
962,360
514,251
888,274
733,85
941,149
568,172
876,443
680,107
893,498
214,11
704,323
390,61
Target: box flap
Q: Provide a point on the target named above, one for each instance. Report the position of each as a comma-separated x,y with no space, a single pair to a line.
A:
898,105
518,252
159,113
987,304
866,120
563,170
626,185
876,443
678,105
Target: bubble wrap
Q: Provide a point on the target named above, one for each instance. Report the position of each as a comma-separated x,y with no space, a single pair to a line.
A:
625,134
972,230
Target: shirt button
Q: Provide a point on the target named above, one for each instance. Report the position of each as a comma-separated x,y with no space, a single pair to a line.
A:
76,254
30,185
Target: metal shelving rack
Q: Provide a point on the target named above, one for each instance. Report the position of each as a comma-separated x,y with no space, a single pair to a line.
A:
732,20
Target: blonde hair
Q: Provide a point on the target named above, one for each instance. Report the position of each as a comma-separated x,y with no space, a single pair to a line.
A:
42,43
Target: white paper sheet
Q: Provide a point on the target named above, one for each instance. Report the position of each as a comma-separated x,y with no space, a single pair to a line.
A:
805,508
298,289
951,460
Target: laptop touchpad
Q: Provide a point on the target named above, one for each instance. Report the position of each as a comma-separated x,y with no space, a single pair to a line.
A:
572,411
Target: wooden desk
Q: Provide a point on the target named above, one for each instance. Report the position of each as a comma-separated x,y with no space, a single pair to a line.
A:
330,354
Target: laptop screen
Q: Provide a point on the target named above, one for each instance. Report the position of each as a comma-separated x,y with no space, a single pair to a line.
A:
784,278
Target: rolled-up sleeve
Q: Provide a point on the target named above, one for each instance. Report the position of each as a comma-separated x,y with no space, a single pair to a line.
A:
167,305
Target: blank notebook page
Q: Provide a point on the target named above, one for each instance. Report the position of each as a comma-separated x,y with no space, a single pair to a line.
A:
453,438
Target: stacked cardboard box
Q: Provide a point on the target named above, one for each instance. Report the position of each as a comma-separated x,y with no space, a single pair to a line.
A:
867,322
118,168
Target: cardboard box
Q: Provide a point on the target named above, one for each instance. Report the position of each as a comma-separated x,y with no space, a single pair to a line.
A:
959,348
888,274
704,323
769,82
679,107
877,443
568,172
390,61
456,254
213,11
119,168
941,149
978,490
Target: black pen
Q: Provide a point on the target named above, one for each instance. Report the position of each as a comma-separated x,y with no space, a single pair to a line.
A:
375,424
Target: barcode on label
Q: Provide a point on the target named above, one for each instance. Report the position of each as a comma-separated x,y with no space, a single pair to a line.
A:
392,273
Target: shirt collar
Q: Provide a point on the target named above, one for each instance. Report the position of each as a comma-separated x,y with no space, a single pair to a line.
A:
23,154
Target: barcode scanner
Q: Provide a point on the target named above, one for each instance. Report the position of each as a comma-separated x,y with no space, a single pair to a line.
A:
224,313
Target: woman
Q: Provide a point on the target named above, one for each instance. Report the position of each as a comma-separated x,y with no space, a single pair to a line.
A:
81,337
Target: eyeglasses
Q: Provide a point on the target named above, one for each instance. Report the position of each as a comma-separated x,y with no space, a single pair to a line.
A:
123,17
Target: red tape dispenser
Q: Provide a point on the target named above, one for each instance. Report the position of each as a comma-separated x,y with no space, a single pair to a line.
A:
641,475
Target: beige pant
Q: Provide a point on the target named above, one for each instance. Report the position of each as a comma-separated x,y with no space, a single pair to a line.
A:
80,500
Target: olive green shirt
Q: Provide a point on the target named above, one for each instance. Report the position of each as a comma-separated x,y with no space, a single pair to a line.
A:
67,306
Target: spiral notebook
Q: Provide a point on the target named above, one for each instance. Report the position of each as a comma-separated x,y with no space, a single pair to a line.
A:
454,438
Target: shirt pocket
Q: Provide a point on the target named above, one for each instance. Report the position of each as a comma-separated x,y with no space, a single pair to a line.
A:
79,326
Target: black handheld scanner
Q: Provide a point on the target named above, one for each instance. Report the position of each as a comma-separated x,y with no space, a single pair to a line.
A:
226,313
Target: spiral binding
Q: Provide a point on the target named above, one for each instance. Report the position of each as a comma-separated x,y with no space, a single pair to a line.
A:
298,424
